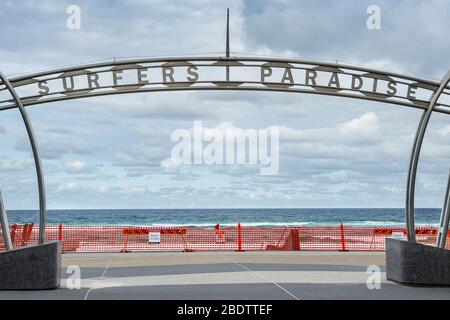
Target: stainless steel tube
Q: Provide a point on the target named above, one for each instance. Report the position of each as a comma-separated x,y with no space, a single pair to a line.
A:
37,159
445,217
5,225
414,160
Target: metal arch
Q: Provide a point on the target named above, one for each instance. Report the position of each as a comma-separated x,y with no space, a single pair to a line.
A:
37,159
436,88
445,218
223,88
216,84
415,153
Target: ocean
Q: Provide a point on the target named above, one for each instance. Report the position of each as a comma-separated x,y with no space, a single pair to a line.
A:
229,217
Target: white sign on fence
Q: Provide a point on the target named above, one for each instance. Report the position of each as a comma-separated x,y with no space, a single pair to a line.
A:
154,237
398,235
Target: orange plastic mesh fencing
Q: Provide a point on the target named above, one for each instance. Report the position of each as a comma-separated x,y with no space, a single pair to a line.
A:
132,238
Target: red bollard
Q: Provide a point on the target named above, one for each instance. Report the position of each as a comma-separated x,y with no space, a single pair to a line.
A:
60,235
341,227
239,239
60,232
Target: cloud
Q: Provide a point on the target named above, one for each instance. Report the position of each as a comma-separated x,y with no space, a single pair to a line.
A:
78,167
445,131
171,164
139,155
103,189
366,126
57,149
361,130
115,151
69,186
339,32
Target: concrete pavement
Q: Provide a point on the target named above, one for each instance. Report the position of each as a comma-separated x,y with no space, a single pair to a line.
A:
227,275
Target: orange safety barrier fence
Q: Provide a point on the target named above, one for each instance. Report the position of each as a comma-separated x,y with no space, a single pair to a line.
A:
239,238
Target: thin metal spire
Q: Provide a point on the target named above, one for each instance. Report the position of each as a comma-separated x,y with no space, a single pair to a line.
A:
227,50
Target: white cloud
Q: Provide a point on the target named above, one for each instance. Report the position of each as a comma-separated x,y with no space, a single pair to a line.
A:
334,151
360,130
171,164
69,186
78,166
103,189
445,131
16,165
365,126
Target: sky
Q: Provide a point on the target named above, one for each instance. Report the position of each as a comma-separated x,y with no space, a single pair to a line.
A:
112,151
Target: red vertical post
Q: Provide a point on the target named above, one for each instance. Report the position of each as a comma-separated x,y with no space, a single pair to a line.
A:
60,232
60,236
341,228
13,233
239,239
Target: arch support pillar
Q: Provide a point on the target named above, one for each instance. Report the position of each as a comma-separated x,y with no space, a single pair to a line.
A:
36,156
415,154
5,225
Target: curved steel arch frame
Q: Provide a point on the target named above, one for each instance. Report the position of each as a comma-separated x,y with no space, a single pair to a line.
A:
216,73
36,156
415,153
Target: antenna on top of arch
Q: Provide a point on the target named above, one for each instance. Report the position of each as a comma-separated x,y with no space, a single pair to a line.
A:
227,47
